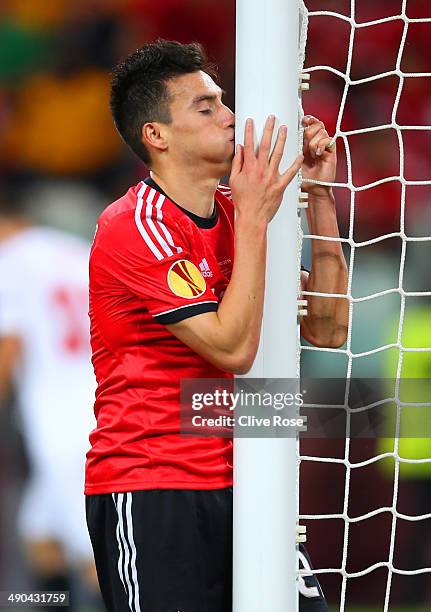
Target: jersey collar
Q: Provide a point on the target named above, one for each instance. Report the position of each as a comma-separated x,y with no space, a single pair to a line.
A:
203,222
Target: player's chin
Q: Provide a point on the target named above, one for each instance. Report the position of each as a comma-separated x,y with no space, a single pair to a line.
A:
230,155
222,162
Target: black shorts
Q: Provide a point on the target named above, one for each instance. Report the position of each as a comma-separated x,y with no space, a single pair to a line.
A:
170,551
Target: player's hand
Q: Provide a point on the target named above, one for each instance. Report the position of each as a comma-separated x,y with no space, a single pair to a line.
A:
320,162
256,183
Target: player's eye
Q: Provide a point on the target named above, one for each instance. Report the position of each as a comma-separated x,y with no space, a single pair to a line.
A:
207,111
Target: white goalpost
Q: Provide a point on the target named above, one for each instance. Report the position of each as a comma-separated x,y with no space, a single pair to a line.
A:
265,472
271,38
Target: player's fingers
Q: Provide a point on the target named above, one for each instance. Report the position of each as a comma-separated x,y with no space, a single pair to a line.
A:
292,171
308,120
318,143
265,144
277,153
249,155
325,144
311,132
306,147
237,161
314,141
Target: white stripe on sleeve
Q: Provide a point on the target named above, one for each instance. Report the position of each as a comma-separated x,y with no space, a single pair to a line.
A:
140,226
163,226
149,219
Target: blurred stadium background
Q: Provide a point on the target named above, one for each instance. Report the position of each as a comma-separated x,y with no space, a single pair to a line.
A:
60,153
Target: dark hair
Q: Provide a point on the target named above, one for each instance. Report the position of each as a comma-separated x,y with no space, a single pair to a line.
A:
138,90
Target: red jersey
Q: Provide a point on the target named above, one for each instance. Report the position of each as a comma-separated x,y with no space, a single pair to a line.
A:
153,263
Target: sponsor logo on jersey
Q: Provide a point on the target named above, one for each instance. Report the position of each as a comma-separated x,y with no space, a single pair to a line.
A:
225,262
205,269
185,279
225,266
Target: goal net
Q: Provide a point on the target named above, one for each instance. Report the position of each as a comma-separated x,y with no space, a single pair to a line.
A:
366,501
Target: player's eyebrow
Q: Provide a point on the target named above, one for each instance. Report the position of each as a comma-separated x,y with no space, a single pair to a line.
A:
207,97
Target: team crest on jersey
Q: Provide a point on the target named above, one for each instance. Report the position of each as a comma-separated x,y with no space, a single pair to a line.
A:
186,280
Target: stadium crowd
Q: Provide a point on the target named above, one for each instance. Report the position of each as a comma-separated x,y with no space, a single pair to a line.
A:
54,79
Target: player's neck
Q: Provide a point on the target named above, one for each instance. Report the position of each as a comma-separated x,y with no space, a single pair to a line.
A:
193,194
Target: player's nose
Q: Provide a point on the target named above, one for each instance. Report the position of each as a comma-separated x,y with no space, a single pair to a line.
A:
228,118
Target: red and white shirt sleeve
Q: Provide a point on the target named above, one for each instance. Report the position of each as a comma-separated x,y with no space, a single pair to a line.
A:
152,256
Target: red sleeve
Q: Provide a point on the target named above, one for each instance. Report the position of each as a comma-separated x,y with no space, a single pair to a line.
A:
154,260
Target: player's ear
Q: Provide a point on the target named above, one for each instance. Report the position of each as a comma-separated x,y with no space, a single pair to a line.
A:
153,135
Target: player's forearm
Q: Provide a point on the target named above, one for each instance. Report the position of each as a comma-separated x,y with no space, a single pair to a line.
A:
229,338
240,312
327,320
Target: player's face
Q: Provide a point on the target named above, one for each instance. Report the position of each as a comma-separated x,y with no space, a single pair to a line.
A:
202,128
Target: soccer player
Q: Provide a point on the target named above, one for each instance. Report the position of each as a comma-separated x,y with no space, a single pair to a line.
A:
44,356
176,291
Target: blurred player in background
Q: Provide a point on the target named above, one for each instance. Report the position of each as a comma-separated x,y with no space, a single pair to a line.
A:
44,359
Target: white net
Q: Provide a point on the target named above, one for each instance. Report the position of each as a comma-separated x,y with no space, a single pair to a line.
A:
375,115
